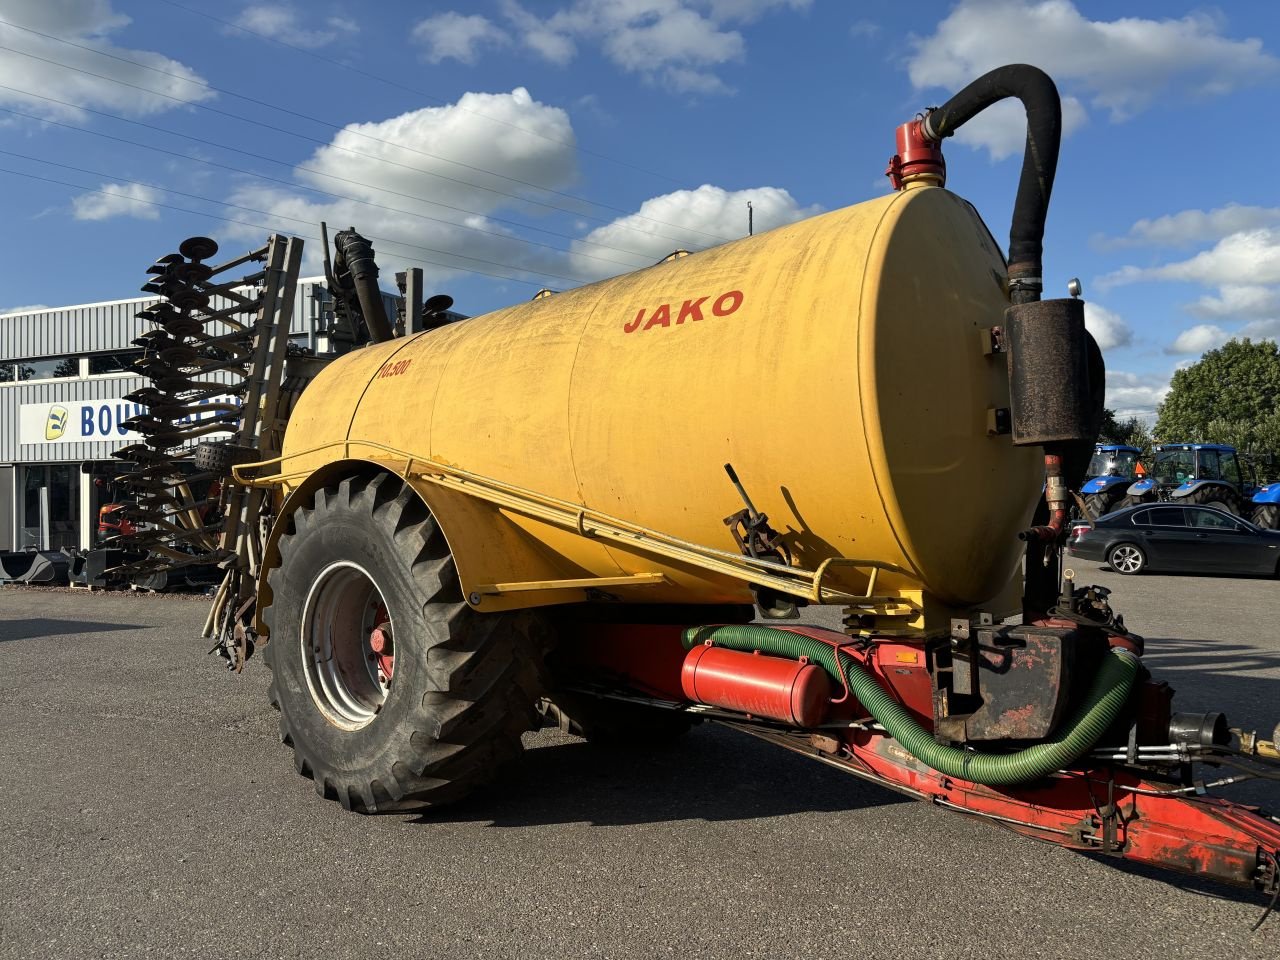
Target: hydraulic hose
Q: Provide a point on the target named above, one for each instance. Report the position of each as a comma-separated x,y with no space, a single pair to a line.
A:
1106,698
1038,94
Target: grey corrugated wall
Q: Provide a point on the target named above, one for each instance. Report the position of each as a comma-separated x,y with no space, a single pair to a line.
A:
97,328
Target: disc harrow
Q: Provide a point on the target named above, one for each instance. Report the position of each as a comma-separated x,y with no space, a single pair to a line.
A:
210,329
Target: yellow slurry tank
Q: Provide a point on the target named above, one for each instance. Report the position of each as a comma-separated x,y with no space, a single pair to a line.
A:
837,363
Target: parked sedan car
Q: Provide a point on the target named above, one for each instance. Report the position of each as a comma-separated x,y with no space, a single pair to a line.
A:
1179,539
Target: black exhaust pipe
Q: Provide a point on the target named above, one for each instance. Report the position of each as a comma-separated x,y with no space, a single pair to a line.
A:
355,258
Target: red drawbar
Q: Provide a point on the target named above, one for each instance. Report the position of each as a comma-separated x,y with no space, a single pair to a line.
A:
1094,806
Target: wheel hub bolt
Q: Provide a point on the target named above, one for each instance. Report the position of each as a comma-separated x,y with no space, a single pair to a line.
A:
380,640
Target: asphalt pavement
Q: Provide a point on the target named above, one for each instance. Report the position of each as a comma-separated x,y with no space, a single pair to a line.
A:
148,808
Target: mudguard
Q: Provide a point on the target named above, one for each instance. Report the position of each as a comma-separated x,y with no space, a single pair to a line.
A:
1141,487
1187,487
1267,493
1102,484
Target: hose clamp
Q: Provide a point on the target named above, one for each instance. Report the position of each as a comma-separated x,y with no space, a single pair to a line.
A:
926,127
1029,283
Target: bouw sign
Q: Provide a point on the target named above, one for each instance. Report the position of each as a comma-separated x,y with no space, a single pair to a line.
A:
89,421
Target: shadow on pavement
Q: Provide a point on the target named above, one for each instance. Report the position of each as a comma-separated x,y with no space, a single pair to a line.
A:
1200,886
34,628
1194,574
711,774
1220,658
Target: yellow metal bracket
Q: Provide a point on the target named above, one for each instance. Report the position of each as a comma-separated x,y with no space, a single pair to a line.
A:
809,585
585,583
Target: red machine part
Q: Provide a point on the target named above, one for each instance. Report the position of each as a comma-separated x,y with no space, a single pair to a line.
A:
918,158
111,519
793,691
384,656
1103,809
1097,807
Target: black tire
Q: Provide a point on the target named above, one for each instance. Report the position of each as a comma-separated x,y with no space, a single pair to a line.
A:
1267,516
219,458
463,686
1215,495
1100,504
614,722
1127,559
1128,501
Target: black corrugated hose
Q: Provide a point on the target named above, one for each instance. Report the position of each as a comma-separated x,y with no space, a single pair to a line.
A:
1038,94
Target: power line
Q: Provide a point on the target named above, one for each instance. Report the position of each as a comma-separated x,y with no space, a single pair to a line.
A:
325,193
268,213
333,126
259,226
414,90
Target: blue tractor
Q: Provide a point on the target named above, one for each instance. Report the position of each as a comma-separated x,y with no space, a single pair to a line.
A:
1266,506
1112,471
1209,474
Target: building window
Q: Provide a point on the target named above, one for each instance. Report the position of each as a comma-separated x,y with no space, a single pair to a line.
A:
49,508
44,368
122,362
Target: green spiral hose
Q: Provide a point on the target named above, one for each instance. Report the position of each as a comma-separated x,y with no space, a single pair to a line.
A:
1106,698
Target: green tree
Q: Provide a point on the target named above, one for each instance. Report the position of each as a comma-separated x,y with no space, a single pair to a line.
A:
1230,395
1110,430
1135,433
1132,432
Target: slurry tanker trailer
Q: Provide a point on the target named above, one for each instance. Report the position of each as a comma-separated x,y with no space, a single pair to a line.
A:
572,510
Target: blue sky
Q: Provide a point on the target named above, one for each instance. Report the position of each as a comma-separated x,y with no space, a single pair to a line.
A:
506,145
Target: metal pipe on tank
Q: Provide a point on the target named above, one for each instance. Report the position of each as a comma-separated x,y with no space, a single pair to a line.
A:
357,253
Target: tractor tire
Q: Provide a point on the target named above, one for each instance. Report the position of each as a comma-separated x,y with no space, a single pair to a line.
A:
219,458
1213,495
1127,559
1100,504
1128,501
393,693
614,722
1266,516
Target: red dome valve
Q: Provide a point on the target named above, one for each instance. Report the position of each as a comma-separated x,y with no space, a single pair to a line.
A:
918,158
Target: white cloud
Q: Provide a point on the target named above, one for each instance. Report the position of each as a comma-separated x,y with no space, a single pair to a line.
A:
117,200
1136,394
1122,66
1190,227
86,22
1002,129
1108,328
80,16
453,36
29,308
505,135
1210,336
543,39
1268,329
281,21
1247,259
1243,265
685,217
1246,300
414,186
1198,339
747,11
675,43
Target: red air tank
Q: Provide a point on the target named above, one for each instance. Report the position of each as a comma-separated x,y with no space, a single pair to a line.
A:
792,691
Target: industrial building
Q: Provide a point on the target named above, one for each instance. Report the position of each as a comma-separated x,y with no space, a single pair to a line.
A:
64,372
